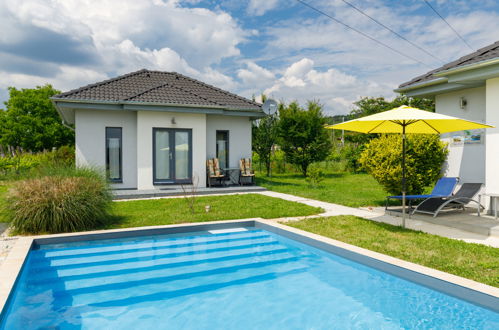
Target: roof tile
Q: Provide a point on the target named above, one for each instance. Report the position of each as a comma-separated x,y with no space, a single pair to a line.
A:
485,53
159,87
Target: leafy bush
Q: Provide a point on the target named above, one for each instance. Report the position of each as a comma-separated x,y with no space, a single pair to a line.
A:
279,162
315,176
29,165
68,200
18,164
425,154
351,153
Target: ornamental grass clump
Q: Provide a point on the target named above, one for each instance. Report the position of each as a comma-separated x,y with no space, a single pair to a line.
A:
59,203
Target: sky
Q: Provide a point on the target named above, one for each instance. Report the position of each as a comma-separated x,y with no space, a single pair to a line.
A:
277,47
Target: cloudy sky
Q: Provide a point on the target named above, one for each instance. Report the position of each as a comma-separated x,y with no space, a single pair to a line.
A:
278,47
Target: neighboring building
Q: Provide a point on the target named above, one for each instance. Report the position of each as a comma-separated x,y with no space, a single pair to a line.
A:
151,128
467,88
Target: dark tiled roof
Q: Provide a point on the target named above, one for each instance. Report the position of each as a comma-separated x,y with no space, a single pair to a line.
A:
169,88
485,53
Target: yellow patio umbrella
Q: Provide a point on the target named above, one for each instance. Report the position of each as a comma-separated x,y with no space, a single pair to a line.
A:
407,120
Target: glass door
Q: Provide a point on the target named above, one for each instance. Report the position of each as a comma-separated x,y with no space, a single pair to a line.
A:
162,156
172,156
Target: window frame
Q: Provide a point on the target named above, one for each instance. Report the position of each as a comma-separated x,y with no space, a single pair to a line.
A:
120,179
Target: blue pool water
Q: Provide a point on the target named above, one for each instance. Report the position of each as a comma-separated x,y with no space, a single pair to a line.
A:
248,279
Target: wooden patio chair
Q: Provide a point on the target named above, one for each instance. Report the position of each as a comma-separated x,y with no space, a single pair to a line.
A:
213,172
246,171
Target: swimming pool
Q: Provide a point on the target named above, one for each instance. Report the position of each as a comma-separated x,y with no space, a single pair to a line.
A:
240,278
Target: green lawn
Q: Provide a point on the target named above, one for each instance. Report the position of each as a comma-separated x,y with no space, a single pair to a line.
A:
3,191
341,188
176,210
473,261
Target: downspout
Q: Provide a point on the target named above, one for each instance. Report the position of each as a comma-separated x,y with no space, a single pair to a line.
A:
66,125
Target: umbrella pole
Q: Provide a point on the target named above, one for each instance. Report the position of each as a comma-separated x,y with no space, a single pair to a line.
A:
403,175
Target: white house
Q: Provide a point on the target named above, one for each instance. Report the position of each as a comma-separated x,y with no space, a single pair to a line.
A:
151,128
467,88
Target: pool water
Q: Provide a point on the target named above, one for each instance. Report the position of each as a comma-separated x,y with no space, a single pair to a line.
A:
240,279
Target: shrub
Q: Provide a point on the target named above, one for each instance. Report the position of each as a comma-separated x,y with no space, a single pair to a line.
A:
351,153
315,176
67,201
425,154
27,165
279,162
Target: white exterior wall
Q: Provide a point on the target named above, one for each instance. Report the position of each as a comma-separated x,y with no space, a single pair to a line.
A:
90,131
492,134
146,121
239,136
465,161
137,130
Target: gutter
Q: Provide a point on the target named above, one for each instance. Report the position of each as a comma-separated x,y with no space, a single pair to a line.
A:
55,99
421,84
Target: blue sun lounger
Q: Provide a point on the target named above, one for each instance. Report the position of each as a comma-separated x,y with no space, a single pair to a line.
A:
443,188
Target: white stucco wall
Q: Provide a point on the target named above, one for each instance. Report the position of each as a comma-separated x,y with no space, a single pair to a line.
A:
465,161
239,136
90,140
146,121
492,134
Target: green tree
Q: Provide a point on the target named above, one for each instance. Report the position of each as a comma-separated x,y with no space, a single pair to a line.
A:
370,105
264,138
425,155
302,135
31,121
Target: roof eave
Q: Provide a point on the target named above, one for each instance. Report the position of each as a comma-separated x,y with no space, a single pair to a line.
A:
153,104
421,84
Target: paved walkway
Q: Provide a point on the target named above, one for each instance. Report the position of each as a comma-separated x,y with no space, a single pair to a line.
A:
6,242
376,215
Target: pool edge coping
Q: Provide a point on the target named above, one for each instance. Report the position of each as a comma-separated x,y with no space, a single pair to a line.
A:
453,285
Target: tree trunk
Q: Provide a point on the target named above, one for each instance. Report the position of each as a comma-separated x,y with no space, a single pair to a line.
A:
304,168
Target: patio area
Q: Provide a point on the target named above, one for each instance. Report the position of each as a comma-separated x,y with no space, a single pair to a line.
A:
468,221
178,191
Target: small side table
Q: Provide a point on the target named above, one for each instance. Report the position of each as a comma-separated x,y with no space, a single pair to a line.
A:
494,198
232,174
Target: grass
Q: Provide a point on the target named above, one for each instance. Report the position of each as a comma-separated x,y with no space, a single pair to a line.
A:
3,192
347,189
474,261
176,210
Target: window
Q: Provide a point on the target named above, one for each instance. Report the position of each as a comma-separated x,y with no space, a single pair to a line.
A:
113,154
172,155
223,148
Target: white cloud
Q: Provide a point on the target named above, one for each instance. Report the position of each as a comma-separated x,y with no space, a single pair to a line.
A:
68,78
336,90
299,55
124,36
260,7
254,74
